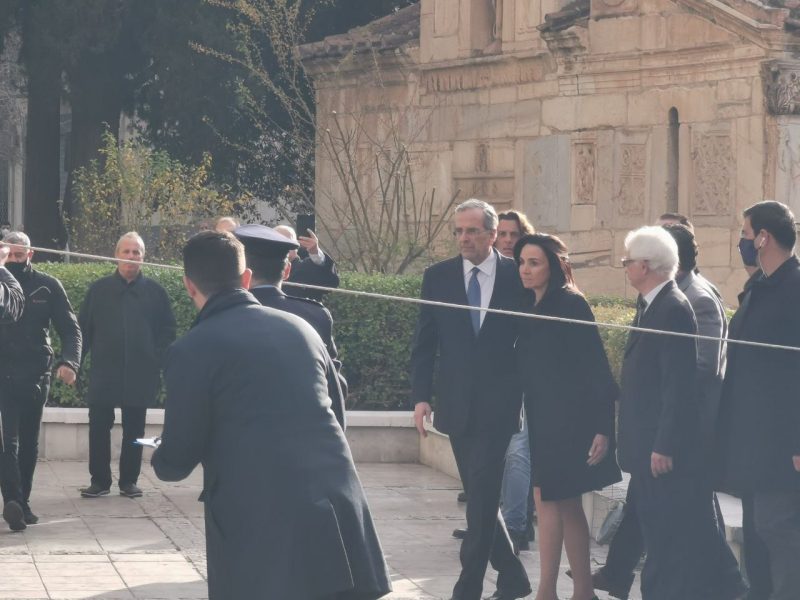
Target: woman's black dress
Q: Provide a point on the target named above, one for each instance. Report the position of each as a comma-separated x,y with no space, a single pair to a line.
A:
569,397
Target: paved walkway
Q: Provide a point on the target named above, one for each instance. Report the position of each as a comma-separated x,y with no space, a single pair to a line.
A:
153,547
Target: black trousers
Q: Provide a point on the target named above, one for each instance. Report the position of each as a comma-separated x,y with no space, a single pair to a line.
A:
687,557
627,548
481,460
777,517
755,554
21,404
101,420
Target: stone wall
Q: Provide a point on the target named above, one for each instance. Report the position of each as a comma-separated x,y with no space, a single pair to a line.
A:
641,107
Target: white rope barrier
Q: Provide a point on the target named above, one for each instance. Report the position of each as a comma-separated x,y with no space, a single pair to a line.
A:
421,301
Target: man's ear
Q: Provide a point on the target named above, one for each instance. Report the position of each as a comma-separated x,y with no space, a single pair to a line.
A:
287,270
191,288
247,278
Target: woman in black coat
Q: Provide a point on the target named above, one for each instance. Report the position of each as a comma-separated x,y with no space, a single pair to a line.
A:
569,402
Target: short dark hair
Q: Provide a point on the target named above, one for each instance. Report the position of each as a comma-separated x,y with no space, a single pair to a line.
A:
525,226
777,219
214,261
687,246
266,269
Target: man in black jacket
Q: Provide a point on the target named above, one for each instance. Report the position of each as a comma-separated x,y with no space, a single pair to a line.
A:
286,516
466,359
26,360
316,268
760,410
659,439
266,254
127,325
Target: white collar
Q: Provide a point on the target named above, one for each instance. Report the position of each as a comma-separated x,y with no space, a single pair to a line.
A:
651,295
487,267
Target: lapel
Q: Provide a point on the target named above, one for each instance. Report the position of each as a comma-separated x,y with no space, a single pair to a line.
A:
646,319
457,291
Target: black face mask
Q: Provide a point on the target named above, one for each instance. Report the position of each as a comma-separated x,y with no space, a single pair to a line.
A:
17,269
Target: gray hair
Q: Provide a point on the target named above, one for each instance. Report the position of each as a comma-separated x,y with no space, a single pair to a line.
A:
655,245
489,214
131,235
17,238
286,232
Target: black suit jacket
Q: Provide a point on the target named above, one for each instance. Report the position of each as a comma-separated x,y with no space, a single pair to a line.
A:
658,403
473,377
305,270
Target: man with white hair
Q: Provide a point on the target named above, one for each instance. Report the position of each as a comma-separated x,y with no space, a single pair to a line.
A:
127,325
658,431
318,268
26,360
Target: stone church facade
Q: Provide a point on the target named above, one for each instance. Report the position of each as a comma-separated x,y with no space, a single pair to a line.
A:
591,116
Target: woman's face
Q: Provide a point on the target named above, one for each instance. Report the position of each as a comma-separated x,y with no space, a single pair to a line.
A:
534,269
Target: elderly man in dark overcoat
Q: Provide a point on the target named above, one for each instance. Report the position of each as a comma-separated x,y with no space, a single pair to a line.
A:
247,397
760,408
127,324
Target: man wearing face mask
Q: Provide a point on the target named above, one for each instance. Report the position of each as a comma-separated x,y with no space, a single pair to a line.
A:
759,436
26,359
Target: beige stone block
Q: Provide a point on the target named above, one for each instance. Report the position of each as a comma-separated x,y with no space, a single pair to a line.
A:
539,89
714,246
445,17
734,90
654,32
501,157
602,8
426,7
527,115
690,31
606,281
591,241
647,7
503,95
694,104
559,114
464,157
601,110
609,36
582,217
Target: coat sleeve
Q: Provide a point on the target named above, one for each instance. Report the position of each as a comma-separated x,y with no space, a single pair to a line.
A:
12,299
424,349
187,415
307,271
586,340
678,366
710,323
66,325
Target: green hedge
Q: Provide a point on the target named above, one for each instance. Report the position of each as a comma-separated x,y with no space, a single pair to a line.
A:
373,335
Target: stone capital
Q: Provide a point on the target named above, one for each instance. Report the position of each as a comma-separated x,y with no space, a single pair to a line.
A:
782,86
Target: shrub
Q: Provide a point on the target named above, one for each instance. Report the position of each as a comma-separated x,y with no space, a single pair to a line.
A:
373,336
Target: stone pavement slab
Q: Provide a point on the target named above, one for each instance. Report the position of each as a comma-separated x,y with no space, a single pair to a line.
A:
153,548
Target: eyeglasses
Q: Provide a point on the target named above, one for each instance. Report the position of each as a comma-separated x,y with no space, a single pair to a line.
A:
626,261
469,231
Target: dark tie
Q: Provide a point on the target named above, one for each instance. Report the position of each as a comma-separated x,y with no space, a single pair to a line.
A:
641,306
474,299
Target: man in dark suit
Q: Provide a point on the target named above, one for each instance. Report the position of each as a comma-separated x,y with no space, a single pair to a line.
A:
286,516
659,433
465,359
760,411
266,254
315,268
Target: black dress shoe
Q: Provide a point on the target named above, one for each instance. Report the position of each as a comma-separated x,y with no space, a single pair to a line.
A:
13,515
459,534
462,497
509,594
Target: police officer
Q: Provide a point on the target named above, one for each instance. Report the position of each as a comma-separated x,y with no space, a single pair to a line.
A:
266,253
26,359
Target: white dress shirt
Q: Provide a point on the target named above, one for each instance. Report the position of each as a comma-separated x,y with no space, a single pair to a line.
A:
486,275
651,295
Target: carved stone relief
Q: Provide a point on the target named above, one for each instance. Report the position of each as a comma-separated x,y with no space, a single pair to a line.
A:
630,195
782,87
714,173
583,177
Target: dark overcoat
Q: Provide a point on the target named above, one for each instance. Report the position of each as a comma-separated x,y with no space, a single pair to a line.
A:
305,270
127,328
760,407
569,397
474,378
286,517
658,401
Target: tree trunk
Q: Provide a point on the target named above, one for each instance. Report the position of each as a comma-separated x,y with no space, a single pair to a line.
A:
42,158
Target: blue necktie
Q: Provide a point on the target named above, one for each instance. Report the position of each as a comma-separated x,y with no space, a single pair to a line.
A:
474,299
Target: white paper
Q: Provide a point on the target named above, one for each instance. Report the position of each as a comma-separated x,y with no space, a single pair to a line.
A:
153,442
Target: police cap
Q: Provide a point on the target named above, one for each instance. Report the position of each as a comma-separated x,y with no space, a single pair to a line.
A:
264,241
